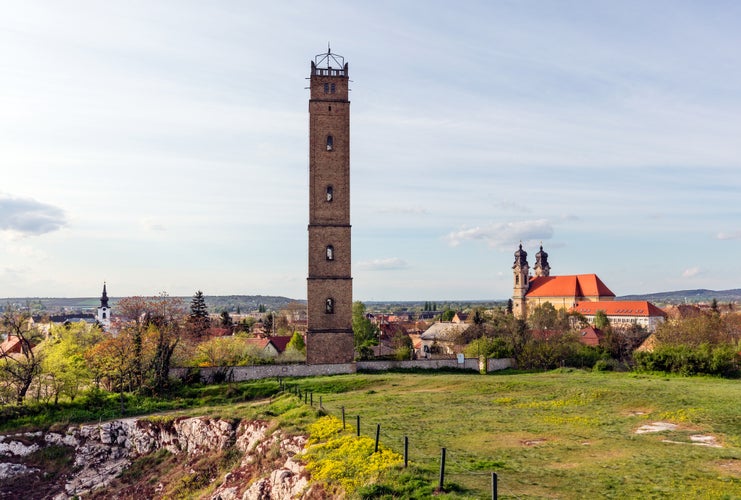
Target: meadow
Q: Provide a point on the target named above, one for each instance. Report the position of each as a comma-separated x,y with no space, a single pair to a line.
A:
565,434
561,434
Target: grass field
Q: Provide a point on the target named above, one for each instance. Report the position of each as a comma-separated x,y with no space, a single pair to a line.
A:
563,434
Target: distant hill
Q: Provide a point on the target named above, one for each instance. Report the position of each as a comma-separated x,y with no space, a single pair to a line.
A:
688,296
215,303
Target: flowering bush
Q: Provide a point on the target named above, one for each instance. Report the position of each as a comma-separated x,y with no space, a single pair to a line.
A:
344,459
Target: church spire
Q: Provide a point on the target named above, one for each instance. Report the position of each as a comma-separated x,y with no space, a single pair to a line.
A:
104,298
541,263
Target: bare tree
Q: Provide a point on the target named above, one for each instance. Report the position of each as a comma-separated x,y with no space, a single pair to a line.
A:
19,365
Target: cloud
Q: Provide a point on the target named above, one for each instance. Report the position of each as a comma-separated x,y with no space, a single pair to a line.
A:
691,272
512,206
29,217
150,224
504,235
391,263
733,235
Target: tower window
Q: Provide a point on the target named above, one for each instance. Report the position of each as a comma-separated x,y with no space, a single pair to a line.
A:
330,252
330,143
329,305
330,193
330,108
326,88
333,88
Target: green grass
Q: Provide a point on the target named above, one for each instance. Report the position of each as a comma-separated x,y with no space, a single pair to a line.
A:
563,434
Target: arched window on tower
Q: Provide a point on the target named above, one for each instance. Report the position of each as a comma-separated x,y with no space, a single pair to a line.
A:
517,279
330,193
329,306
330,143
330,252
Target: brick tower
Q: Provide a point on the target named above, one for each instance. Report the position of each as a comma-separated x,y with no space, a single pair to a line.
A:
329,335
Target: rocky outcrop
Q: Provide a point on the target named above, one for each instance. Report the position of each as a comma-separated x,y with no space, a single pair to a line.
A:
265,450
102,451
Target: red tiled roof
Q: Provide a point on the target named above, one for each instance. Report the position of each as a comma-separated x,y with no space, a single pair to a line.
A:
620,308
261,343
578,285
281,341
10,346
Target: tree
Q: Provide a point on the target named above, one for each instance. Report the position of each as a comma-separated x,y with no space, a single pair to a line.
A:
198,321
447,314
601,320
544,317
510,306
64,368
365,332
113,362
226,320
19,369
297,342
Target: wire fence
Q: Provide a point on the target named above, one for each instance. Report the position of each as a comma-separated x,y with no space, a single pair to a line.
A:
456,468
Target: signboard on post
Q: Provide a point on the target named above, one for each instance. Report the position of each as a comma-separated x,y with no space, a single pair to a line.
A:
461,359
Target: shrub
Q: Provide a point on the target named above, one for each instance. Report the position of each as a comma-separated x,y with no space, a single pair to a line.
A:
687,360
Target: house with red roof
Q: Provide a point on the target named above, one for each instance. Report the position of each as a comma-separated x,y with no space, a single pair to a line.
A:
624,313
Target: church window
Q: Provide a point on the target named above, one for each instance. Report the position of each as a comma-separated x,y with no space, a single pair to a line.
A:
330,252
104,314
330,143
330,108
517,279
333,88
326,88
329,305
330,193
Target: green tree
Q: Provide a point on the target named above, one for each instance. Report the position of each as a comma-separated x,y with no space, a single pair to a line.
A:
447,314
65,370
226,320
297,343
601,320
198,321
365,332
544,317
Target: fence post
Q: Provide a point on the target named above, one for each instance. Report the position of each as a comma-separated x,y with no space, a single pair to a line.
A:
320,403
378,435
493,486
406,451
442,470
306,397
311,398
358,425
343,418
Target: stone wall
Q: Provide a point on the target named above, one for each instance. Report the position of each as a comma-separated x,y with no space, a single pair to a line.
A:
242,373
421,364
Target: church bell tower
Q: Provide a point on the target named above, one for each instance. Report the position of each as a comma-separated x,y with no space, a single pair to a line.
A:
329,336
521,276
104,311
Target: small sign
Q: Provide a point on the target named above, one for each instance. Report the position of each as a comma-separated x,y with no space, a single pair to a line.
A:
461,359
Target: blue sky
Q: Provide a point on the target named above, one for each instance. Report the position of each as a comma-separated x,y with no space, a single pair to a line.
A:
162,146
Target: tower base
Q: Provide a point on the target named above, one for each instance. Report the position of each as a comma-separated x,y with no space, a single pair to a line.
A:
329,347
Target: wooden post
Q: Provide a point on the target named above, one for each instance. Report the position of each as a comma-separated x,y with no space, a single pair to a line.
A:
442,470
493,486
320,403
378,435
311,398
306,397
406,451
358,425
343,418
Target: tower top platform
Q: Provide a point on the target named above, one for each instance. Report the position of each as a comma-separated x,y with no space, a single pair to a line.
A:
328,64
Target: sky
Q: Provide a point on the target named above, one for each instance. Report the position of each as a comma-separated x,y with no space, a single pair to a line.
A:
163,145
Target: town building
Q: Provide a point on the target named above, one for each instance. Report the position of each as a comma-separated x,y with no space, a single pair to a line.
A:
329,336
582,293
